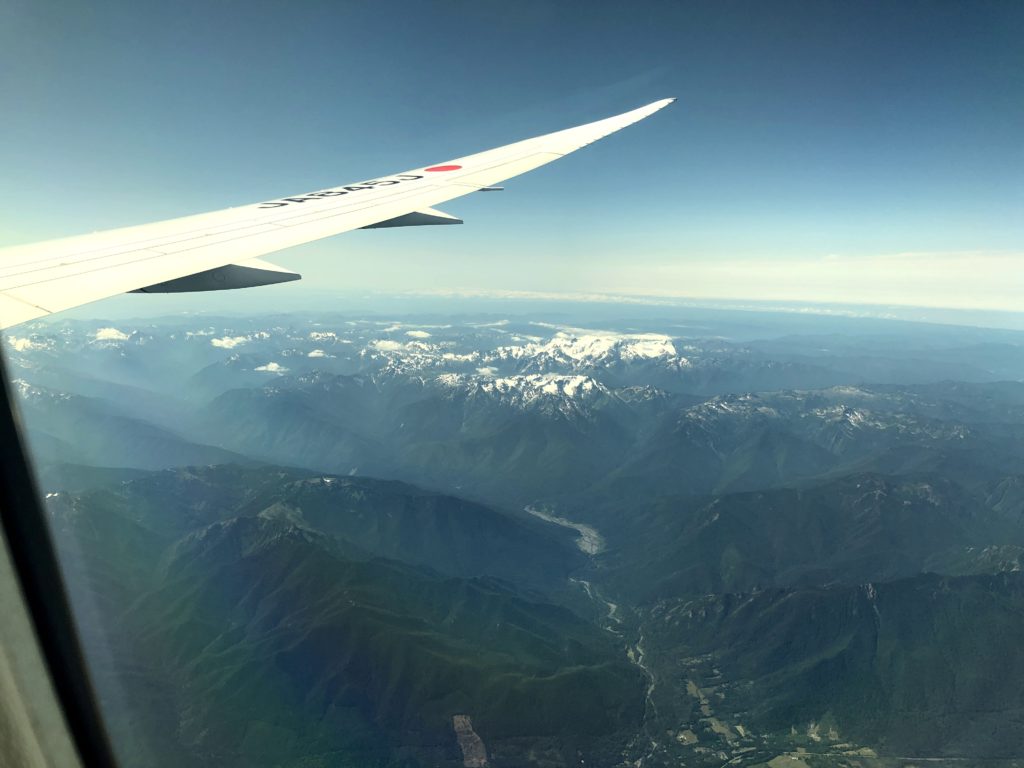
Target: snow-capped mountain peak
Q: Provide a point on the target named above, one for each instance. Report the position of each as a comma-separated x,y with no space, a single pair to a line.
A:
578,351
543,390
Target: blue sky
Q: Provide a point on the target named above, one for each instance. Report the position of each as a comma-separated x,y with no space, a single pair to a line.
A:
851,152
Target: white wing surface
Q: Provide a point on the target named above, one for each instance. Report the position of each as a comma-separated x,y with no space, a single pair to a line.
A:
221,249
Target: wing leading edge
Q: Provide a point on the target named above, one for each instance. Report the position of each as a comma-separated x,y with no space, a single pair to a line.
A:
209,251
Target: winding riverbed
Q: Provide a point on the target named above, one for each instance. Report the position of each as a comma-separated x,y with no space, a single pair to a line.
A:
590,541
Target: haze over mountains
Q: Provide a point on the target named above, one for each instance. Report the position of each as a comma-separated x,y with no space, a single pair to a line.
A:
309,540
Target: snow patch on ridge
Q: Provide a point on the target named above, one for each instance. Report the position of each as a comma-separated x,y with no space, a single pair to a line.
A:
110,334
271,367
229,342
24,344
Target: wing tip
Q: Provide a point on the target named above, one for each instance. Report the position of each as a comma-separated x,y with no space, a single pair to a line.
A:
648,109
645,111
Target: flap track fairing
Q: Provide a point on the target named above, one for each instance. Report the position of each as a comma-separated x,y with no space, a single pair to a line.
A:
249,274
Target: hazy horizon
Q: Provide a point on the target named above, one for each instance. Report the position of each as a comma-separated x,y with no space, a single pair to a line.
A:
294,298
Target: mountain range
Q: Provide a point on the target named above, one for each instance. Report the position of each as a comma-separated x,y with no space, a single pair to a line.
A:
246,616
696,539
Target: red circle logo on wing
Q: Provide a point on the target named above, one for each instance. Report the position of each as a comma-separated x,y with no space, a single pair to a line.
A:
443,168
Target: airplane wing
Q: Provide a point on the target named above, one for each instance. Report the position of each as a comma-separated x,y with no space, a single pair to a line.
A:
220,250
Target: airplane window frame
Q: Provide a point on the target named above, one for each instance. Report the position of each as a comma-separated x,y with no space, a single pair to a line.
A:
33,555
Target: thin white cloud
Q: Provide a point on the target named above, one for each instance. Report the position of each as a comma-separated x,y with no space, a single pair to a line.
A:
967,280
418,334
576,296
953,280
271,368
